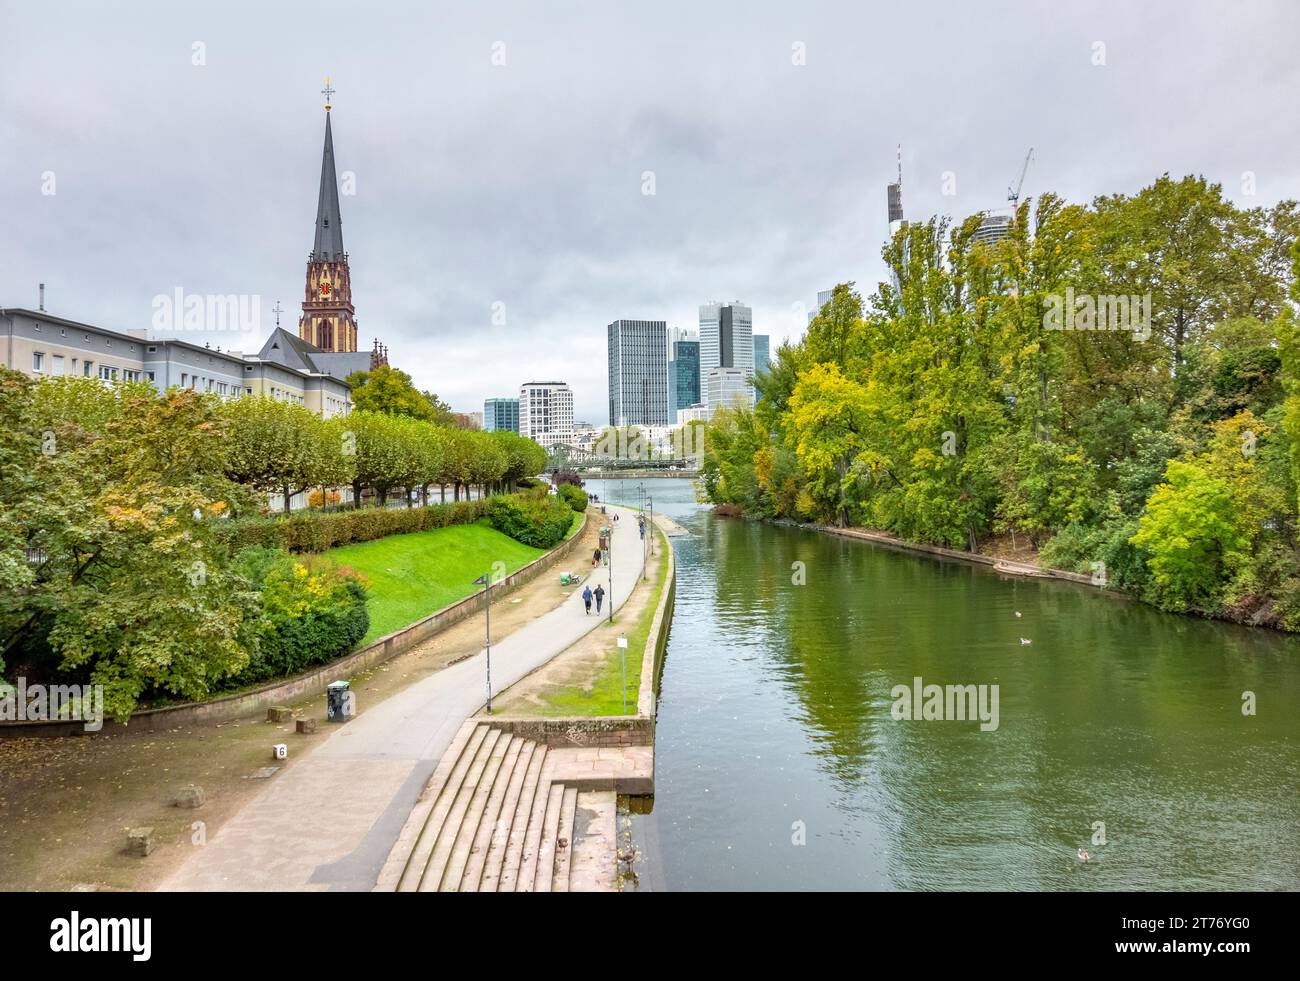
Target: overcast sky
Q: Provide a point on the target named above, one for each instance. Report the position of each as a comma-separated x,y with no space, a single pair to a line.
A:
521,183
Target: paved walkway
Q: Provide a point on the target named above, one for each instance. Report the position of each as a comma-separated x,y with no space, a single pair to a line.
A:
329,821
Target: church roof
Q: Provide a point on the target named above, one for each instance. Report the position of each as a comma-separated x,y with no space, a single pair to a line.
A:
329,223
292,351
289,350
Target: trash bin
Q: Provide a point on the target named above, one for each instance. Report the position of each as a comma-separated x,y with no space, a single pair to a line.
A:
337,708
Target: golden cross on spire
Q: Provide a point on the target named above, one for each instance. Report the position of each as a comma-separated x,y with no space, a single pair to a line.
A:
327,91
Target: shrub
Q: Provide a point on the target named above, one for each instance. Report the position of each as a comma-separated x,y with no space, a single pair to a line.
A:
309,616
541,522
314,531
573,496
1076,547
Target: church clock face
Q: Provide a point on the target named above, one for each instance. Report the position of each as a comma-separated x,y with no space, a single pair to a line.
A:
325,287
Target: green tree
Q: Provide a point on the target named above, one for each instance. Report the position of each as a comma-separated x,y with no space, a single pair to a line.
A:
390,391
131,590
1194,536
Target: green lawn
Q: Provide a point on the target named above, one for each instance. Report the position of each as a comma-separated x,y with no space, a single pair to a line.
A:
411,576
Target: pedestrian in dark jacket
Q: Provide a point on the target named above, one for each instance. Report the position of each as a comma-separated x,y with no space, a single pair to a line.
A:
586,598
600,595
595,558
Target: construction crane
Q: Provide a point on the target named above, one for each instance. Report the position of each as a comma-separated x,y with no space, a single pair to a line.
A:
1013,193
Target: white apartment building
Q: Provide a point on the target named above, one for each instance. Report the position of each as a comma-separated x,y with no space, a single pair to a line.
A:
546,412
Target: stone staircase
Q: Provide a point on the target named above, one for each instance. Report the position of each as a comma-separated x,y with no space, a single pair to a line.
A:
505,813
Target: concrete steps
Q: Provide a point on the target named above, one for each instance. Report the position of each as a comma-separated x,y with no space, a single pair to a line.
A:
503,813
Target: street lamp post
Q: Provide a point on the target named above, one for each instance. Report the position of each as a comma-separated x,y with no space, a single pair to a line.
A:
485,581
609,551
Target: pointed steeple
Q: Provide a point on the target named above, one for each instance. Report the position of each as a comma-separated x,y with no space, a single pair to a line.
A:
329,224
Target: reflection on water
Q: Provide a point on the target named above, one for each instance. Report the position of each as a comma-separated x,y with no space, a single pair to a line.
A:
774,718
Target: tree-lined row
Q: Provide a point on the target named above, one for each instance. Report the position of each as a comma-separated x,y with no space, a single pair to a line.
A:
990,395
284,448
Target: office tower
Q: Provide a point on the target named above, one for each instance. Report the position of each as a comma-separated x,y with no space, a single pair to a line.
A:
683,371
546,412
727,387
726,337
501,415
762,352
727,342
638,373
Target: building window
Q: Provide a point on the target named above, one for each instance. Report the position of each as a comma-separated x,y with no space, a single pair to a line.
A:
38,361
150,375
86,368
107,372
185,380
56,367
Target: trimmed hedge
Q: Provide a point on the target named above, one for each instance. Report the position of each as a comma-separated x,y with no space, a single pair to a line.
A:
316,531
541,522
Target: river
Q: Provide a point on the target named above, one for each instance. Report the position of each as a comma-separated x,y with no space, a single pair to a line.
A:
779,763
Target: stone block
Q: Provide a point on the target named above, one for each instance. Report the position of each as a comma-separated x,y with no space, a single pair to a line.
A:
306,726
190,796
139,841
279,713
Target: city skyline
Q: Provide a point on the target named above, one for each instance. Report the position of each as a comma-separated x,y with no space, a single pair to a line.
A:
203,175
736,449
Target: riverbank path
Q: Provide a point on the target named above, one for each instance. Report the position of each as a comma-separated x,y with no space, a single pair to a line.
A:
329,821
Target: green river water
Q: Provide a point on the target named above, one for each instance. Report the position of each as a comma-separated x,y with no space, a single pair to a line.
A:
779,764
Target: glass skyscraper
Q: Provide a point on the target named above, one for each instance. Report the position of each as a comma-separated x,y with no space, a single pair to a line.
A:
683,372
501,415
726,342
638,373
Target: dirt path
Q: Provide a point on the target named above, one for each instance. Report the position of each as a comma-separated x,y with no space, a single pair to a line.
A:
66,804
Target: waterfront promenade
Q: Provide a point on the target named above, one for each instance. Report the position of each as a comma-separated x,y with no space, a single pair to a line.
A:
330,821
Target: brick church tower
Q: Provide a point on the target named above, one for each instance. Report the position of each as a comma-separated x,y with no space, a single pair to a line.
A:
329,320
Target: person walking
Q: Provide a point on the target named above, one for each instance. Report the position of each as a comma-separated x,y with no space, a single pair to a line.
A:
600,595
595,558
586,599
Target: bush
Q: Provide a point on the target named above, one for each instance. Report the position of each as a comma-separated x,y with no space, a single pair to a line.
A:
541,522
573,496
313,531
309,616
1076,547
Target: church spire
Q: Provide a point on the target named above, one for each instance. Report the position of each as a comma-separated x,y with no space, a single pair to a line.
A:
329,224
329,319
